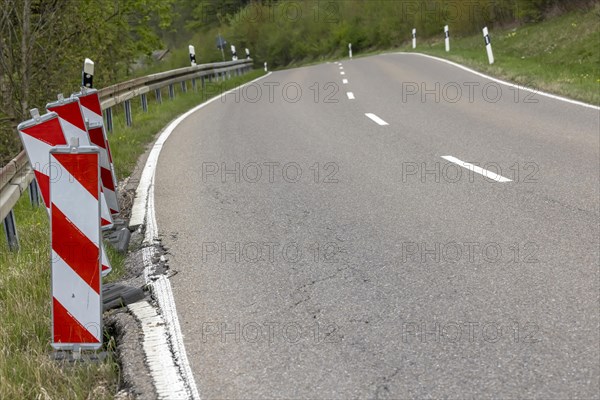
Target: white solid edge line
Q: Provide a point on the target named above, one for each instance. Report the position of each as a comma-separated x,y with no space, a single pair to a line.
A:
345,81
350,95
376,119
479,170
525,88
162,287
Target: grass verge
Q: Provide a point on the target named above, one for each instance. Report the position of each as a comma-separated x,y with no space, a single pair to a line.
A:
26,371
560,55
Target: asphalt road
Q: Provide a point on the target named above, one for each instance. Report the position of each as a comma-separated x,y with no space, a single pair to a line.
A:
323,255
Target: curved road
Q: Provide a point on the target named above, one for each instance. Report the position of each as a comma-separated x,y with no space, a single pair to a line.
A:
324,253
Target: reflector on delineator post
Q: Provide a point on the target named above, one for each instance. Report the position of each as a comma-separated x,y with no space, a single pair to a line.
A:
38,136
92,112
71,118
87,75
76,243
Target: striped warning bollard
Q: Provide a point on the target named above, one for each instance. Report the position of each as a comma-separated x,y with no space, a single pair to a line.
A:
38,136
76,243
69,111
71,118
92,112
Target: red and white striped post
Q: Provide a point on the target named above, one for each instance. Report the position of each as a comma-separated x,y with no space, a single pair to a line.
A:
71,115
76,243
38,136
92,112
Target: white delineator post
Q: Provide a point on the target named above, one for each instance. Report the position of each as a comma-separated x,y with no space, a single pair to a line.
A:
38,136
414,38
266,69
233,53
350,49
75,238
447,37
488,45
192,55
87,75
247,53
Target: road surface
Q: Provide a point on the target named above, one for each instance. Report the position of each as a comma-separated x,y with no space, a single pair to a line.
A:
325,253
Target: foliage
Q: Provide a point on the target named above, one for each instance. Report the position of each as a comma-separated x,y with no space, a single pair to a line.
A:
43,44
289,32
43,57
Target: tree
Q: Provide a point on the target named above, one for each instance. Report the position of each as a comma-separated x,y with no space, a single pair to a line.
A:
44,42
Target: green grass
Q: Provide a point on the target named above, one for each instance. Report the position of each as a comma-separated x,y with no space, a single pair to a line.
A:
560,55
26,370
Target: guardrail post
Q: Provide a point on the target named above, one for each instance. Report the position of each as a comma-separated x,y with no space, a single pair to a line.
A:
184,86
171,91
109,119
144,99
128,118
34,193
10,229
194,84
158,95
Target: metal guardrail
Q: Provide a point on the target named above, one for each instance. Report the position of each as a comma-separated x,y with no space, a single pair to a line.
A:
17,176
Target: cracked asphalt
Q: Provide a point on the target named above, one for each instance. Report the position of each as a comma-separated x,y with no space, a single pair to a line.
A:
323,255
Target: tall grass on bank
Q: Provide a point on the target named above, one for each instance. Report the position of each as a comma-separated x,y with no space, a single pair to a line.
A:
26,370
560,55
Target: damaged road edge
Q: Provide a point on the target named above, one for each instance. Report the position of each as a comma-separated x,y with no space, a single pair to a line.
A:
163,342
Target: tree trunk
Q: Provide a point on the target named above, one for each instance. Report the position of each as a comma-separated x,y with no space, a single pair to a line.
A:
25,46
